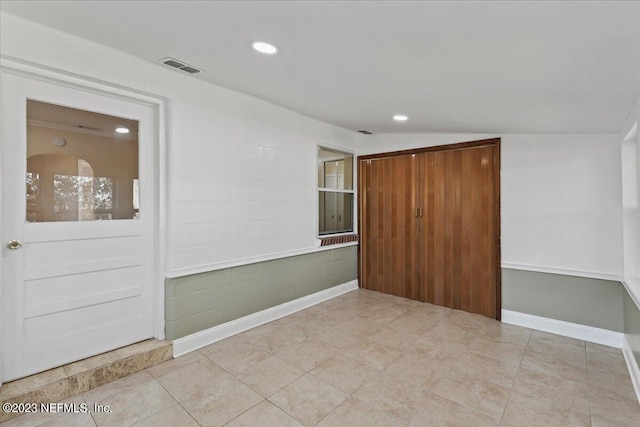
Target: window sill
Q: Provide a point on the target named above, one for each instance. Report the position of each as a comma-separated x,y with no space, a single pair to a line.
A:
338,239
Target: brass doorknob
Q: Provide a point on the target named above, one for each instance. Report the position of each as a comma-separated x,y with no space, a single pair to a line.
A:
14,244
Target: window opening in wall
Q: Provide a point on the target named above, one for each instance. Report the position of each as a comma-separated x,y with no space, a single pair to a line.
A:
335,192
81,165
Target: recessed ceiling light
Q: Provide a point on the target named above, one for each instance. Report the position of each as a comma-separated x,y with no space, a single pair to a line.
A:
264,47
122,129
400,118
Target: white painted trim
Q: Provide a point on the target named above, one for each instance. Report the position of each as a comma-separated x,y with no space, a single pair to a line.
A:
632,365
209,336
567,329
563,271
628,287
244,261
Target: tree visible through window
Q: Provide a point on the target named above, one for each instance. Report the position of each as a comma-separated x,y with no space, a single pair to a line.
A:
91,197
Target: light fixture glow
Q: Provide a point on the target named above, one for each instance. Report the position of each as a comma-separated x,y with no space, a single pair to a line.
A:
400,118
264,47
122,129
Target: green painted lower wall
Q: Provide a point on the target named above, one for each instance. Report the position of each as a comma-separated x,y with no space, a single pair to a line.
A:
632,325
200,301
581,300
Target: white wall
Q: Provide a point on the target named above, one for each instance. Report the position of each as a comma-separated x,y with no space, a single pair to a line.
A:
241,171
561,198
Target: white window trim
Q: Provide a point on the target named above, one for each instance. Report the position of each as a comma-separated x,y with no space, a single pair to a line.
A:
354,219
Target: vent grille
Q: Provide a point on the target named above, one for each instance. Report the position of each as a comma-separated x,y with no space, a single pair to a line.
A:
174,63
366,132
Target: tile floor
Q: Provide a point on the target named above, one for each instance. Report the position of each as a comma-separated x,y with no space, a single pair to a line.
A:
366,359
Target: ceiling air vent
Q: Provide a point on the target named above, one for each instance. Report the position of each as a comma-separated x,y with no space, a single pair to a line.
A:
174,63
366,132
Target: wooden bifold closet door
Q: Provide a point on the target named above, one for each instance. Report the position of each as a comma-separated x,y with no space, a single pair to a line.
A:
429,225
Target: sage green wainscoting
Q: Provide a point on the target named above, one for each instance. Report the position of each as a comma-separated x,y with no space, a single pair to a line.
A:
591,302
632,325
200,301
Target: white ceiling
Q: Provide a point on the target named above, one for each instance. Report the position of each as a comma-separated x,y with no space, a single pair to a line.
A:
490,67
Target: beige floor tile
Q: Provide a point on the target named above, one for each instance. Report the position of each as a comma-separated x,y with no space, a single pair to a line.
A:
438,411
270,375
221,402
607,361
415,322
392,338
426,347
192,379
523,411
600,421
344,373
308,399
503,351
548,364
573,354
503,333
615,383
265,414
539,336
336,338
496,371
359,327
41,418
71,420
416,369
239,356
273,340
170,417
308,354
447,336
222,345
120,386
382,313
133,404
354,412
612,407
477,393
373,354
561,393
169,366
472,323
599,347
391,395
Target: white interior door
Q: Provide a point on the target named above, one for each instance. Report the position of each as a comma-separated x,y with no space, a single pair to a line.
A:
77,272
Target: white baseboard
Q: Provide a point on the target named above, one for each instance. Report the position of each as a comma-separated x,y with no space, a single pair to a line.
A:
632,365
567,329
209,336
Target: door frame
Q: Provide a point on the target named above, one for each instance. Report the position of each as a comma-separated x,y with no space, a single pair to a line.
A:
159,105
496,199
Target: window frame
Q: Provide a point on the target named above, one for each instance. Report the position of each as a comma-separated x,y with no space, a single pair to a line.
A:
319,190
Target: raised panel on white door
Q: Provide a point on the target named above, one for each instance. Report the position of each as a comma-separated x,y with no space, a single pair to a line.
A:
51,294
46,254
99,331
